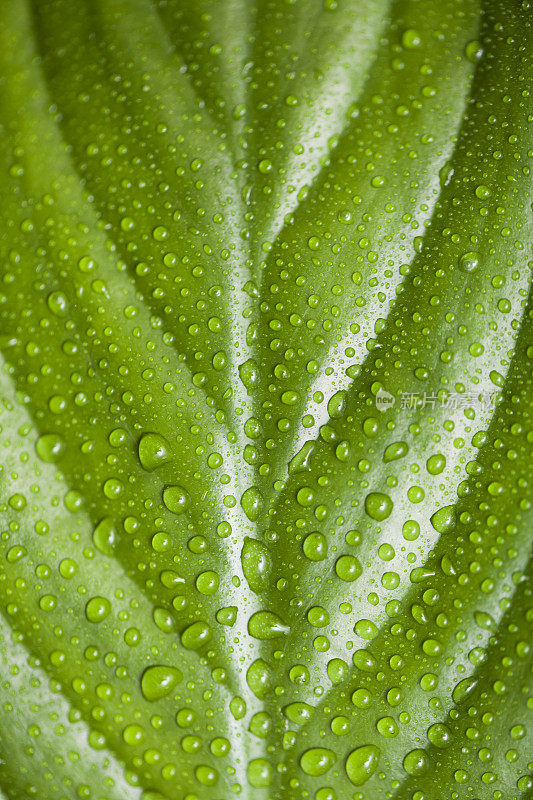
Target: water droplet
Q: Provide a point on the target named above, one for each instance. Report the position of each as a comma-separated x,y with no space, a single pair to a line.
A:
301,461
362,763
58,304
315,546
176,499
485,621
97,609
463,689
436,464
317,761
249,374
133,735
416,762
299,713
337,404
348,568
387,727
266,625
439,735
411,39
378,506
256,564
337,670
258,678
251,502
171,579
366,629
259,773
474,51
158,681
237,707
443,520
207,776
153,451
469,262
105,536
208,582
50,447
196,635
395,451
227,616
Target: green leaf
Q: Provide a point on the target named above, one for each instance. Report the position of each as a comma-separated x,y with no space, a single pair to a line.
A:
266,419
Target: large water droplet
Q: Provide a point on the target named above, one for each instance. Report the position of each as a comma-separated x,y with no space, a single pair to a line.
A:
378,506
416,762
50,447
97,609
259,773
315,546
153,451
256,564
196,635
105,535
463,689
317,761
362,763
300,462
259,678
469,262
176,499
395,451
443,520
266,625
158,681
299,713
251,502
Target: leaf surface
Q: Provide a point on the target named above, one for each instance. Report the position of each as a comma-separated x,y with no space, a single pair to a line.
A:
267,450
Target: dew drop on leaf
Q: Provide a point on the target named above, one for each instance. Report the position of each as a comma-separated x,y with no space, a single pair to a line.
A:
266,625
50,447
315,546
158,681
196,635
259,773
153,451
97,609
362,763
378,506
105,535
416,762
176,499
317,761
443,520
256,564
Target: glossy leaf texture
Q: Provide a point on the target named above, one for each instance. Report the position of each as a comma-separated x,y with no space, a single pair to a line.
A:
267,433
